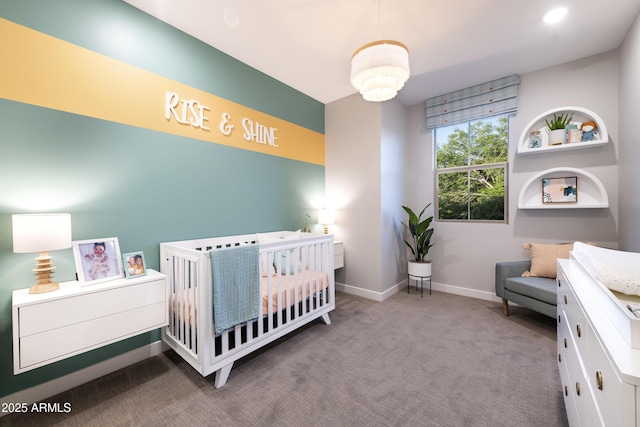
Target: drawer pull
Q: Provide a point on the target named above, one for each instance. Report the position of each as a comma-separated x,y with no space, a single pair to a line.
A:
565,343
559,357
578,389
579,329
566,391
558,283
599,379
558,318
566,299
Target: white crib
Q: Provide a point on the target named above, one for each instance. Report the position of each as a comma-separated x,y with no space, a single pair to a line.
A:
291,297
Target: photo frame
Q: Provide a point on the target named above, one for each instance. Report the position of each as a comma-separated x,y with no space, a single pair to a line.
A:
134,264
98,260
560,190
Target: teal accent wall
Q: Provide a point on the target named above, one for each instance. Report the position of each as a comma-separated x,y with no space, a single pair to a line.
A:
142,186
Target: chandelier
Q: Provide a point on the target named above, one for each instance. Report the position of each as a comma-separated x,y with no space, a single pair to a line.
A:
380,69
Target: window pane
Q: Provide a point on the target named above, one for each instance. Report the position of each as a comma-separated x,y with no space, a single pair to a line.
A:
453,195
489,140
486,195
452,146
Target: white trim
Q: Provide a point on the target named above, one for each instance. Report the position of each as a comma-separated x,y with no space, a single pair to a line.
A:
51,388
381,296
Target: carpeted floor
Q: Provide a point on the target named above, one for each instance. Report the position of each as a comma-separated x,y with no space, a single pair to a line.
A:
443,360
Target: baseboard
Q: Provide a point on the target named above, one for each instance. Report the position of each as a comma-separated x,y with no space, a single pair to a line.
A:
74,379
381,296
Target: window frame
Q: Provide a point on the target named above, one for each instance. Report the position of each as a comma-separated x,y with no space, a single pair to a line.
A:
469,168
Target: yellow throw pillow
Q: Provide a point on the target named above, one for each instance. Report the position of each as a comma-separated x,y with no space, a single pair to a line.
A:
544,257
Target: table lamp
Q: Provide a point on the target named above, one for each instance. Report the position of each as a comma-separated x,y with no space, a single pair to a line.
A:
41,233
325,217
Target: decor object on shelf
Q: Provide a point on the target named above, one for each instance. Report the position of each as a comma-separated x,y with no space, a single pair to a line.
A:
580,115
326,218
98,260
380,69
557,127
592,191
535,139
589,132
560,190
42,233
420,242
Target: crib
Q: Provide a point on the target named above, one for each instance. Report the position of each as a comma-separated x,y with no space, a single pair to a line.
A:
296,287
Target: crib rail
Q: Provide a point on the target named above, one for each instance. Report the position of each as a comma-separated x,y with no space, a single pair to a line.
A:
297,287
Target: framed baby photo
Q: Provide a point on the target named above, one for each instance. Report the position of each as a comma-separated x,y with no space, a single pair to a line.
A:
134,264
98,260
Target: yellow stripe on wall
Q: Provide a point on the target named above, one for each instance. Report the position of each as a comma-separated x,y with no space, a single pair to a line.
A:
42,70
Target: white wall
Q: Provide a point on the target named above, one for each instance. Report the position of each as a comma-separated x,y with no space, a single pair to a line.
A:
630,149
394,158
364,142
464,255
352,185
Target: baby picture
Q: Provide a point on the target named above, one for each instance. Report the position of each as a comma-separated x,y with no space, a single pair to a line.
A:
98,260
134,264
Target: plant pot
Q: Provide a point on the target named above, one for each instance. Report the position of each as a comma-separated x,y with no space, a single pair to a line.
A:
556,137
419,269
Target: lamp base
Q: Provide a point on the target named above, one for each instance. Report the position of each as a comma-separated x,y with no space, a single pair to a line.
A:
43,287
326,229
44,273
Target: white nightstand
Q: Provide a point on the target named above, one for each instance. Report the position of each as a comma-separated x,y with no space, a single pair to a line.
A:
56,325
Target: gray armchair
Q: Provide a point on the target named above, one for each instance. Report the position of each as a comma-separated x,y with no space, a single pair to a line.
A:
536,293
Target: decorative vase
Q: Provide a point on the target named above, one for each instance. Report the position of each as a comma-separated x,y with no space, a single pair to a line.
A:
420,269
556,137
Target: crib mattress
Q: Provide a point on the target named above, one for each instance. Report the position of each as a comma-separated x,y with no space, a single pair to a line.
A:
300,287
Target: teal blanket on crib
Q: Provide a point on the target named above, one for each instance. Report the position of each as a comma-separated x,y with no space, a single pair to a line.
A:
236,285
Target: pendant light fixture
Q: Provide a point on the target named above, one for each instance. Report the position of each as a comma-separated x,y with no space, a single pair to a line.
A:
380,69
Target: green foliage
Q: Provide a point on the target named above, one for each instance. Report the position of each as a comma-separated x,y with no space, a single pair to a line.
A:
559,122
478,193
420,233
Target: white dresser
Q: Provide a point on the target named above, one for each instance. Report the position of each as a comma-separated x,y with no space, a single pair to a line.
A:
599,369
55,325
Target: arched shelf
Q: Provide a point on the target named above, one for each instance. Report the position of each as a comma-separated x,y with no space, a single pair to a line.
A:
580,115
591,192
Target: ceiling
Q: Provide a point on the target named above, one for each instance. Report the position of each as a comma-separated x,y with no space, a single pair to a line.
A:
453,44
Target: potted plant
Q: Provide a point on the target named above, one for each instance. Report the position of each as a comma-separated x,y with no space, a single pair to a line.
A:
556,127
420,242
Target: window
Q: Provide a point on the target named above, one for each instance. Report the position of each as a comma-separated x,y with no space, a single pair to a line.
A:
471,170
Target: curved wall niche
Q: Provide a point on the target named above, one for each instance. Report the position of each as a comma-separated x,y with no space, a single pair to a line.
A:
591,192
580,115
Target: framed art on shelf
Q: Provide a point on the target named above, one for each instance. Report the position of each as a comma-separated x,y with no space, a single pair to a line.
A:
98,260
134,264
560,190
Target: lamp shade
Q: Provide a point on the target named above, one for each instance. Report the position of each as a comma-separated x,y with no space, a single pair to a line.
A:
380,69
41,232
325,217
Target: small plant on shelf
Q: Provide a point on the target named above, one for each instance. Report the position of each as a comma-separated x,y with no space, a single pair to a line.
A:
559,121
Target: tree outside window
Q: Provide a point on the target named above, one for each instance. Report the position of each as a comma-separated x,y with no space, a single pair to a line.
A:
471,169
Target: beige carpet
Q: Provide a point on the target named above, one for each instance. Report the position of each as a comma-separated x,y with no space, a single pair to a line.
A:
442,360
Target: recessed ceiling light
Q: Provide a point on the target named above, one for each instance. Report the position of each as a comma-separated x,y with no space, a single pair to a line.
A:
555,15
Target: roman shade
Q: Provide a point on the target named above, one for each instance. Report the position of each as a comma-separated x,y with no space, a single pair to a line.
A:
475,102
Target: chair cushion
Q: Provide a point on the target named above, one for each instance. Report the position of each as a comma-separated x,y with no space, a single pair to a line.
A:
539,288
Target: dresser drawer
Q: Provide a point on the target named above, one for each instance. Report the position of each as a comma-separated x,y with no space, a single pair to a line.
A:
614,398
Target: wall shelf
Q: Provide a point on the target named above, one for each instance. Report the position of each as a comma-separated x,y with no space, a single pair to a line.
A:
580,115
591,192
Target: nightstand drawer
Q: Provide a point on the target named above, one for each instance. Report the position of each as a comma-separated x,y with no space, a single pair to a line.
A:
63,342
82,308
